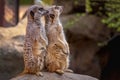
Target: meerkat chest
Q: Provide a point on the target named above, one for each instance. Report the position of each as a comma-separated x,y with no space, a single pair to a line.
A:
55,27
37,29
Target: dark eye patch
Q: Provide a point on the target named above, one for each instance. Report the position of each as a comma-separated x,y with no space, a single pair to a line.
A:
41,9
32,14
56,7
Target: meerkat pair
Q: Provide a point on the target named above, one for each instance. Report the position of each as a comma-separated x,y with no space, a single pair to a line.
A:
45,46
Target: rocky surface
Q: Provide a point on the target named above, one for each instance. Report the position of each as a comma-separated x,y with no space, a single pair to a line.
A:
85,35
54,76
11,50
82,32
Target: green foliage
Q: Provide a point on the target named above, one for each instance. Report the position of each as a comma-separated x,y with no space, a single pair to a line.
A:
69,23
102,43
49,2
29,2
88,6
113,14
74,20
76,2
26,2
108,8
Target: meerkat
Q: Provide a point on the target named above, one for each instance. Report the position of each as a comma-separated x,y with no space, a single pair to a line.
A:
35,41
57,58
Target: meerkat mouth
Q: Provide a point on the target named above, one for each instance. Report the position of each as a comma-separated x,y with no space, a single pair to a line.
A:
52,16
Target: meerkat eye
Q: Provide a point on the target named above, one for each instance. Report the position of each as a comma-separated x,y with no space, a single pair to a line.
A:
32,14
41,9
56,7
55,44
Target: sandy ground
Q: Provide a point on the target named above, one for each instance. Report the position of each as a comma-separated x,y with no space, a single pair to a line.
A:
19,29
9,32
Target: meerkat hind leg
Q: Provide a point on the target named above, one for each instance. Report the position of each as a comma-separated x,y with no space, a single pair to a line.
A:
69,70
59,71
39,73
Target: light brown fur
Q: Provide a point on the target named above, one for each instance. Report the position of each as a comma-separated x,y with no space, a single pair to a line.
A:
35,41
57,59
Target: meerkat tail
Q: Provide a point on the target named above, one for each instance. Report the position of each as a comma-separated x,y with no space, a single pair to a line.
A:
22,73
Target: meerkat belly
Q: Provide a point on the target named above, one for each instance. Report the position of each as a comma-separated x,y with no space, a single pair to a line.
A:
36,48
52,34
39,52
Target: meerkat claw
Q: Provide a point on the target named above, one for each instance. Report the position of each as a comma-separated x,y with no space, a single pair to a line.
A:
60,72
69,70
39,74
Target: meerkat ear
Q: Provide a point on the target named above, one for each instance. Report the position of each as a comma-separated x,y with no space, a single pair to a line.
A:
32,14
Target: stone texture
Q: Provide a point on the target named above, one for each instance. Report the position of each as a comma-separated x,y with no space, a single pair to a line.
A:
84,35
82,32
54,76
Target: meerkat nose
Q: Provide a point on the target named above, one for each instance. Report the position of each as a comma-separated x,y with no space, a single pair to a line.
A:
47,11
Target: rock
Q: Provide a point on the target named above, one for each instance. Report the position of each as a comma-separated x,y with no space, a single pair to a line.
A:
54,76
11,60
11,50
87,25
84,33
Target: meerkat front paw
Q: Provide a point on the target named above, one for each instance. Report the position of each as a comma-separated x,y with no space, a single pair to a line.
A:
39,74
60,72
69,70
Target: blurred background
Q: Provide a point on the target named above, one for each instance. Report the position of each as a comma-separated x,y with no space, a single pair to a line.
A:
91,27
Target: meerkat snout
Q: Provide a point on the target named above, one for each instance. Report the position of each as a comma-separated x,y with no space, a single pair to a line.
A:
36,11
43,11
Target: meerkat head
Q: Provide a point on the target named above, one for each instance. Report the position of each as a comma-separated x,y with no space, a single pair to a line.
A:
55,11
36,12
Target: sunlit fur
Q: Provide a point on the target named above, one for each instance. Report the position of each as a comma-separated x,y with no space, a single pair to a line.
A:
57,59
35,41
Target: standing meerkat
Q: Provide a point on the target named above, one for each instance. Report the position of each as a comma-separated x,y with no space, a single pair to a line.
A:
57,58
35,41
